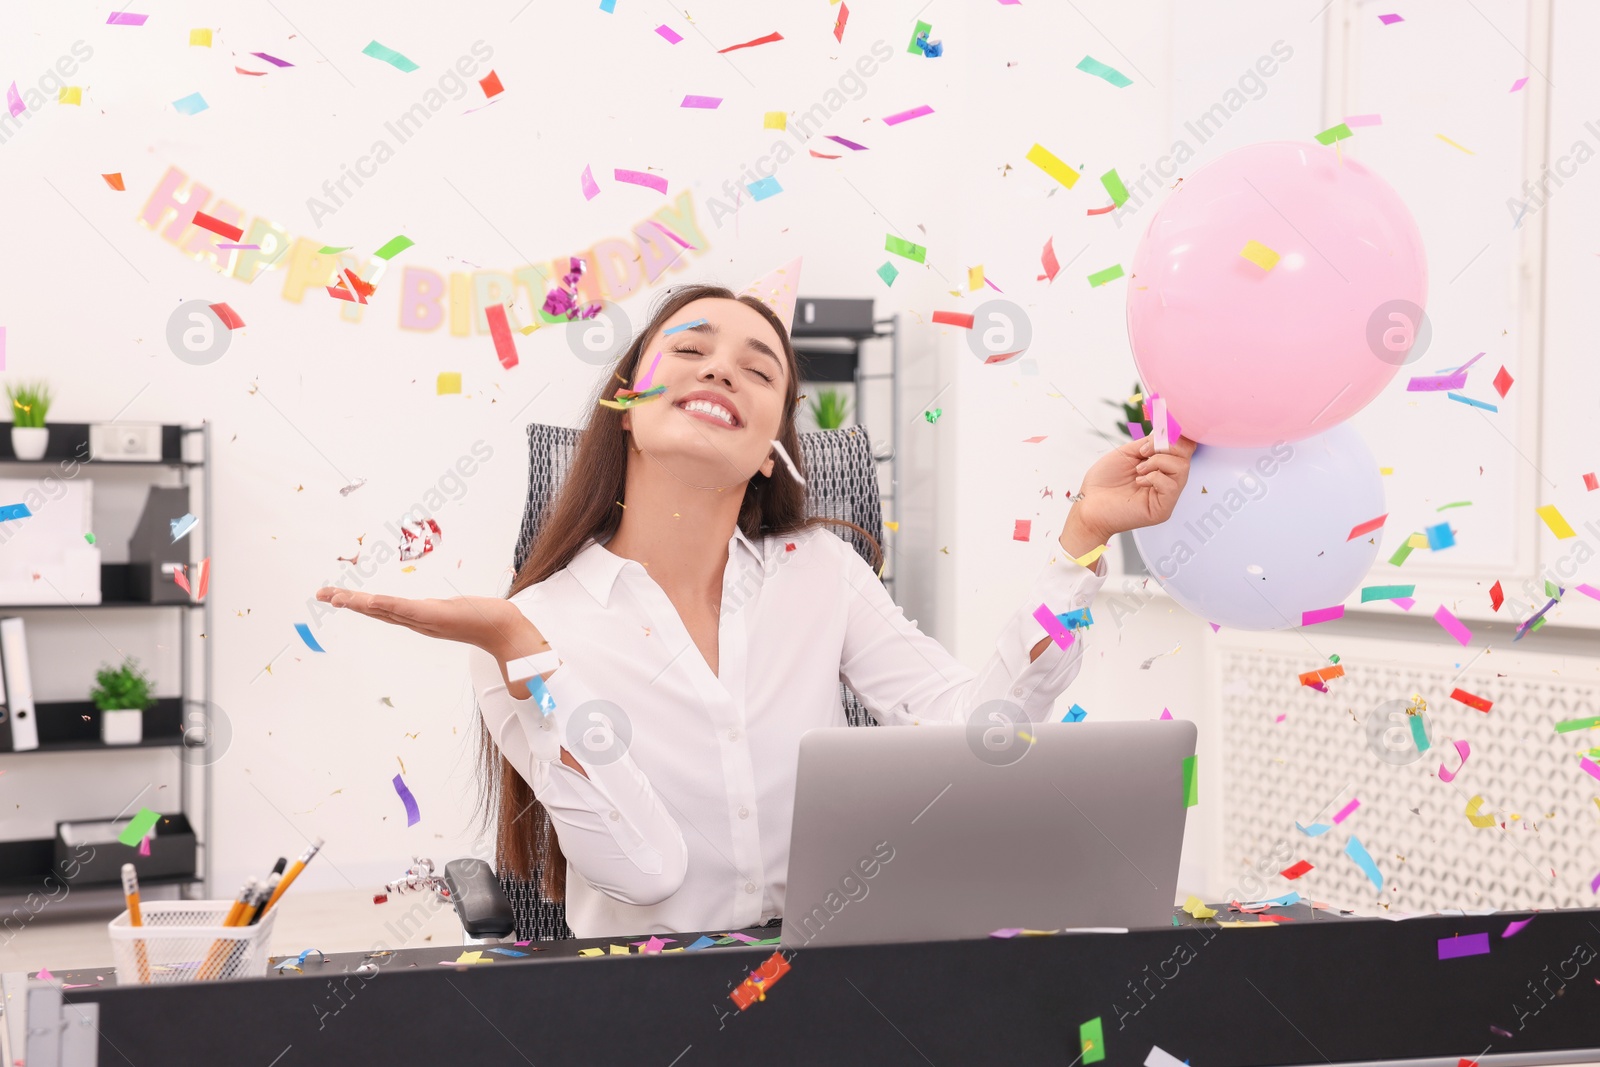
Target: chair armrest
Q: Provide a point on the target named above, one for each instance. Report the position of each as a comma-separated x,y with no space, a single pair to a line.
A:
480,903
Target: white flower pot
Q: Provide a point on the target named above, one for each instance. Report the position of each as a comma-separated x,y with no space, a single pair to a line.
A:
122,727
29,442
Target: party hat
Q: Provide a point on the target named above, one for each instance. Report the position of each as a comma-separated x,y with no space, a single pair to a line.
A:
777,290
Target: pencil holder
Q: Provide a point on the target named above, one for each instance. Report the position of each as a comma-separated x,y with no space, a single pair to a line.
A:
185,941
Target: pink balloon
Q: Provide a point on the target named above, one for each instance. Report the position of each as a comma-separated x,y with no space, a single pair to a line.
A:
1246,356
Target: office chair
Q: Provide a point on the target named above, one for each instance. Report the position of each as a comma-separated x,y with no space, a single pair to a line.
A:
841,483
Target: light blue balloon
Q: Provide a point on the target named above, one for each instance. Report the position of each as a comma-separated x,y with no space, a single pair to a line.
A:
1269,537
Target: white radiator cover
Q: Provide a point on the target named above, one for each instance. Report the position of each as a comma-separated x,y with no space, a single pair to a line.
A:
1311,764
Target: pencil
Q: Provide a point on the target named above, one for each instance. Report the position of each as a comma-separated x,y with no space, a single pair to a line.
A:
130,889
293,873
266,894
217,954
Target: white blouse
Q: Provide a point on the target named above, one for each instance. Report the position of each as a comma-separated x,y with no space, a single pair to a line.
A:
683,823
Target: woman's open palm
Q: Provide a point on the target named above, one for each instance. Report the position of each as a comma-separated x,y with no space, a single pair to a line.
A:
495,625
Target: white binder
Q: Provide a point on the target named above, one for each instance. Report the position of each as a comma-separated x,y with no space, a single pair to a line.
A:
19,685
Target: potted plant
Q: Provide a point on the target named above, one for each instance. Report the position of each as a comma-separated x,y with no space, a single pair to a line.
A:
830,409
30,403
1132,413
122,695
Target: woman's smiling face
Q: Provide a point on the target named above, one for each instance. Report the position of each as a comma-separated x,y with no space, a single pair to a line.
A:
727,384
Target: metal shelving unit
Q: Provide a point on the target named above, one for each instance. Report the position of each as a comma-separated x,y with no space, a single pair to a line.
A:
74,726
829,349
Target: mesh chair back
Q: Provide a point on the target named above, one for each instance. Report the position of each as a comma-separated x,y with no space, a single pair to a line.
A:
841,483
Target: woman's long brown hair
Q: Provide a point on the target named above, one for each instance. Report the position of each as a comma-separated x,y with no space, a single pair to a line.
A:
586,508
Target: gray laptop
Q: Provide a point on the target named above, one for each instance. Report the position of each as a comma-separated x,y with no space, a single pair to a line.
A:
926,833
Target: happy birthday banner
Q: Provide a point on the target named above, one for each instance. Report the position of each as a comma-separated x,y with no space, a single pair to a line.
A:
617,267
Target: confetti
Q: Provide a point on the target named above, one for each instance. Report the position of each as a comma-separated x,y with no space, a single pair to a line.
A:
1386,592
1045,160
14,101
394,247
953,318
1334,133
768,39
274,60
1452,625
590,189
764,188
1518,84
1092,1041
1358,853
504,345
1437,383
1074,713
1497,596
1363,120
1366,528
70,94
1345,812
1389,20
305,635
1455,947
1052,626
888,272
1047,259
1091,65
1022,530
115,181
1558,525
668,34
1440,536
192,104
1482,822
1452,144
490,84
1099,278
636,177
1460,399
1159,1057
901,247
200,38
1464,750
1298,870
1512,929
230,318
1591,482
1191,784
706,103
413,816
905,116
448,383
139,827
1502,382
1260,255
1311,618
125,18
1471,701
389,56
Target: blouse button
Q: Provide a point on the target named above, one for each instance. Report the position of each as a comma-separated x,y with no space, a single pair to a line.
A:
733,735
744,812
749,887
616,817
1017,691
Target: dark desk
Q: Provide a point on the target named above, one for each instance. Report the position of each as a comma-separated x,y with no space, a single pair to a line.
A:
1317,988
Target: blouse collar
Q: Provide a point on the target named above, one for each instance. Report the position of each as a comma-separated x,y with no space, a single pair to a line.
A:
596,568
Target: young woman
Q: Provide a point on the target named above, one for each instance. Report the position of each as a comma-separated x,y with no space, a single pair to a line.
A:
688,623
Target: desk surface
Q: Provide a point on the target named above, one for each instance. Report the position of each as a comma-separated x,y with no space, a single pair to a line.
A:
1316,987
